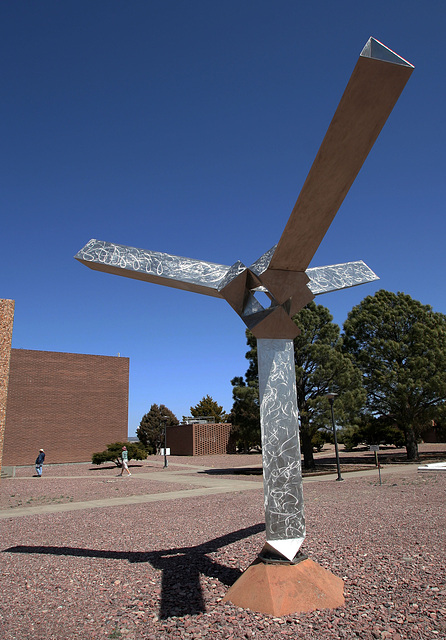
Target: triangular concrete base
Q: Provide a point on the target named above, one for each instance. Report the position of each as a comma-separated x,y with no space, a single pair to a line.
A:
281,589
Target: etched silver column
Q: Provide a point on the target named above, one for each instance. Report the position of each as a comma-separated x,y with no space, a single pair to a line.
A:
282,468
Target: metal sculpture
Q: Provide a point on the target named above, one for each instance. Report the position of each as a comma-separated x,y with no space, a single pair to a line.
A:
283,275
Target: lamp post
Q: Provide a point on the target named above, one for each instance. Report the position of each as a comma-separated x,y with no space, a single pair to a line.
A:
331,397
166,464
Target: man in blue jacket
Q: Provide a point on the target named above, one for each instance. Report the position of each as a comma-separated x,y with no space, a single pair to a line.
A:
39,463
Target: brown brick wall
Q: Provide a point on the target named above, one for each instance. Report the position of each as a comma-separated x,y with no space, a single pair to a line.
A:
212,439
6,322
69,404
180,440
200,439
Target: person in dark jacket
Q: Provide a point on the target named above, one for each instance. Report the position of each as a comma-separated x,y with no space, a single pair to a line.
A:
39,462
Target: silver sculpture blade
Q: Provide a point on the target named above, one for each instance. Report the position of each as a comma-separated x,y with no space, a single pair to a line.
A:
204,277
153,266
283,274
339,276
374,87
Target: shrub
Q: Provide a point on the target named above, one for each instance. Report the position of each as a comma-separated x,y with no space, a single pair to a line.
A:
136,451
318,440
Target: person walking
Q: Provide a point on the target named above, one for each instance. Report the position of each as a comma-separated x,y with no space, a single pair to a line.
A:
39,463
125,461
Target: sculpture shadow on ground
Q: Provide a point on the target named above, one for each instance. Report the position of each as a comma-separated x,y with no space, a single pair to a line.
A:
234,471
181,567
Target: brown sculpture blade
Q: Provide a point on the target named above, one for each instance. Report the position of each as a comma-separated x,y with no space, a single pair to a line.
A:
372,91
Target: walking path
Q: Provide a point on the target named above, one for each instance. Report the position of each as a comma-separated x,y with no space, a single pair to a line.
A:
206,485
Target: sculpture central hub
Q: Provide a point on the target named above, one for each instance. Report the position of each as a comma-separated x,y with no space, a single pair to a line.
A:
287,291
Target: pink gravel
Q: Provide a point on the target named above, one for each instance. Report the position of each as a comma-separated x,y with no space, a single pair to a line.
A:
61,484
65,490
160,570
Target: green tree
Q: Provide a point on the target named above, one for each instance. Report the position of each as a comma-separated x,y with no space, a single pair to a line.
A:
207,407
371,430
151,428
245,414
321,367
113,453
400,346
439,422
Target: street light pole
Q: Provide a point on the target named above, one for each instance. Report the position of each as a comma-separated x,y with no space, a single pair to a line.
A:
331,397
166,464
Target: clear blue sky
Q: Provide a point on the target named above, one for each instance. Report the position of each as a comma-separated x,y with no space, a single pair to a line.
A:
189,128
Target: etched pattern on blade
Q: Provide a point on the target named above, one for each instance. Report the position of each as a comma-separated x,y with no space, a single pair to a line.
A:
339,276
153,263
282,469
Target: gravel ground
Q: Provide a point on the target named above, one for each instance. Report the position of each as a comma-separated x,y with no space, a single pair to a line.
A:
160,570
47,490
86,469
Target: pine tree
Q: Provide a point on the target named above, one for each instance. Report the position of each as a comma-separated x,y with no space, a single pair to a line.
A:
151,428
400,346
207,407
245,414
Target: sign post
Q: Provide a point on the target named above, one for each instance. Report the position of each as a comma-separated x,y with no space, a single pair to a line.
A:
375,448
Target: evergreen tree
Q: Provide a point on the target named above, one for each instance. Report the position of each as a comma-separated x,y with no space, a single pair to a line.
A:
245,414
151,428
321,368
207,407
400,346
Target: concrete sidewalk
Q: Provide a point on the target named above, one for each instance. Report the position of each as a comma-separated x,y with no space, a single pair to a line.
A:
206,485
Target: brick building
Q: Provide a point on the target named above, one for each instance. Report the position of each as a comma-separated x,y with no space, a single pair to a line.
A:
200,439
6,323
69,404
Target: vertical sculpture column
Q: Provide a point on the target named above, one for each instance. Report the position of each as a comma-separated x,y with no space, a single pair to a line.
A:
282,468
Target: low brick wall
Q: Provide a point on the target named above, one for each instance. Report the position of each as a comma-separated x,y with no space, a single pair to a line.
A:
200,439
180,440
69,404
